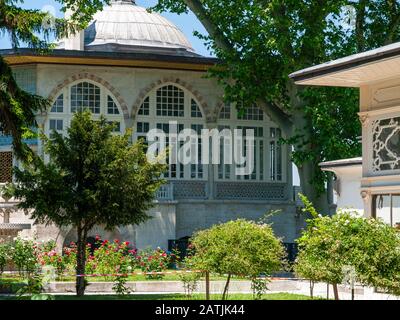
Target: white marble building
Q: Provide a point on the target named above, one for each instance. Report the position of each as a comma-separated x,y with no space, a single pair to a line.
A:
376,74
139,70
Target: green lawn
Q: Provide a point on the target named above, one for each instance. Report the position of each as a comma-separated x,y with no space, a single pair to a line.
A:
167,277
272,296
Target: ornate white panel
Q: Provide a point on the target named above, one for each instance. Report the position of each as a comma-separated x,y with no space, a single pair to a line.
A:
386,144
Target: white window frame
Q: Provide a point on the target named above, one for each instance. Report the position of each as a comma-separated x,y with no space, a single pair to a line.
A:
187,121
233,123
67,114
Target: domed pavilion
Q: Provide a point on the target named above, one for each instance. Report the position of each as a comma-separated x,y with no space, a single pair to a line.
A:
140,71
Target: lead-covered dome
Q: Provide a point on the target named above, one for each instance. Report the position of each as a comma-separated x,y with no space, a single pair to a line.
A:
124,26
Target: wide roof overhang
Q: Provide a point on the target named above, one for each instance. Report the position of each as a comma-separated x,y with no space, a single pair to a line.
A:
354,71
16,57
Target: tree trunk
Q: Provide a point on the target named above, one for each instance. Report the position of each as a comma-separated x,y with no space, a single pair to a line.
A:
81,262
336,291
309,168
320,201
225,294
312,289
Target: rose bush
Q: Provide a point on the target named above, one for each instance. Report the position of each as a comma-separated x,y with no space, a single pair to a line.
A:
154,261
103,258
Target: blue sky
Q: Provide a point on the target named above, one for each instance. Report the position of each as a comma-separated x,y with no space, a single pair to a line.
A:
188,23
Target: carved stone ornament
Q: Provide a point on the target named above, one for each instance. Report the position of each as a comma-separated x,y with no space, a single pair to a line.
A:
386,144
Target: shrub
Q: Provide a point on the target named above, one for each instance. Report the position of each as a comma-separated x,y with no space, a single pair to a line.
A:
24,254
4,256
109,257
241,248
331,244
190,280
153,261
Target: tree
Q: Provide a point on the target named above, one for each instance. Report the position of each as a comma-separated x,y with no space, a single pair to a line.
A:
34,29
332,244
241,248
260,42
93,178
17,107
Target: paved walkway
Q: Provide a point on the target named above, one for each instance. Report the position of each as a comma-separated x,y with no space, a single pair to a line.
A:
216,287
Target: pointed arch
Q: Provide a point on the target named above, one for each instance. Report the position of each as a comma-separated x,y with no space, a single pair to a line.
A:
89,76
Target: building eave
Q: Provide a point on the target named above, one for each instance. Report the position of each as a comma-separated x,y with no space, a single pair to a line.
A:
327,166
113,59
336,73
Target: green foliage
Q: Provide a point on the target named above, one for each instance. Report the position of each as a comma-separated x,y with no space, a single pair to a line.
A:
17,107
32,286
259,287
119,286
93,178
190,279
23,254
110,258
331,244
241,248
4,256
308,206
153,261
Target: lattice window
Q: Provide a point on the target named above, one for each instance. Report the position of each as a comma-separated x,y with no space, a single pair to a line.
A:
26,79
190,190
56,125
195,110
85,95
145,107
386,144
225,112
197,169
170,102
176,170
143,127
112,107
6,164
58,106
250,191
224,170
251,113
275,154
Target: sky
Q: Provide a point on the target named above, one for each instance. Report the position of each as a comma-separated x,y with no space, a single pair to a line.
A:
188,23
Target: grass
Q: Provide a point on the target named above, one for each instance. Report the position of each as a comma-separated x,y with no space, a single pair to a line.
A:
168,277
138,297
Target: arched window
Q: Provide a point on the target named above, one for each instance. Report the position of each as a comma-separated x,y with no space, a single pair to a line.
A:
79,96
268,153
85,95
173,103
